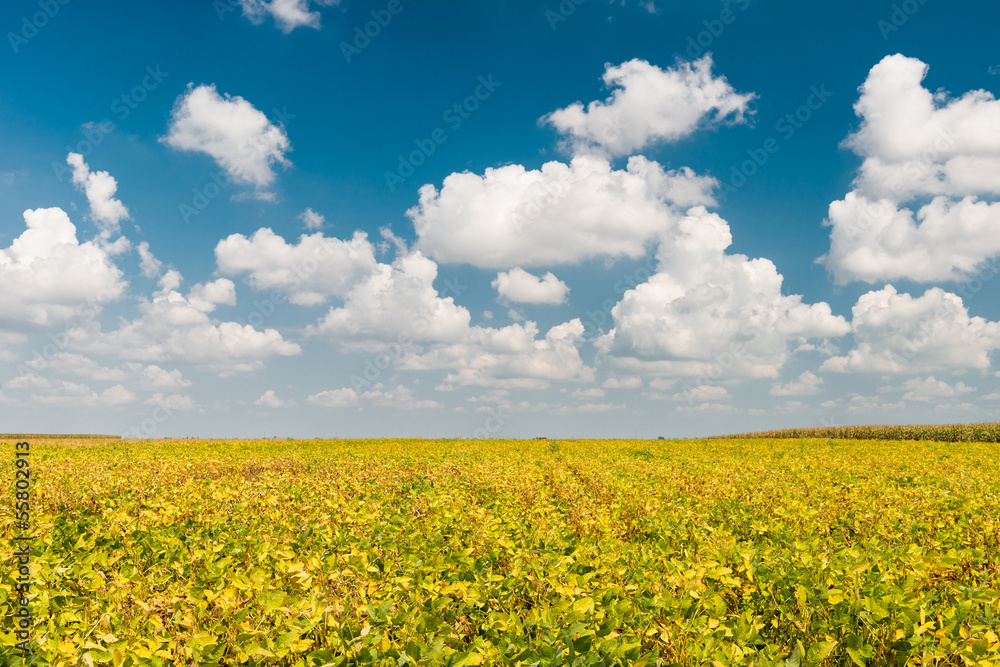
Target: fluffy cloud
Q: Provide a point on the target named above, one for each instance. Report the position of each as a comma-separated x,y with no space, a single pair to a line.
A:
172,402
382,303
648,105
593,392
706,313
807,384
662,383
918,146
236,135
703,393
623,383
46,391
335,398
396,306
395,303
311,219
270,400
511,357
860,403
399,397
310,271
177,328
66,363
898,333
288,14
154,377
148,264
943,240
592,407
559,214
930,388
136,375
378,396
915,141
100,188
10,339
705,407
117,395
523,287
47,277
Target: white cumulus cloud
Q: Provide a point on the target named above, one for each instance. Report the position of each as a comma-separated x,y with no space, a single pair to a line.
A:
310,271
708,313
335,398
397,306
512,357
648,105
924,204
178,402
559,214
239,137
47,277
520,286
100,188
270,400
899,333
942,240
930,389
46,391
806,384
400,397
173,327
623,383
395,303
703,393
287,14
148,264
311,219
136,375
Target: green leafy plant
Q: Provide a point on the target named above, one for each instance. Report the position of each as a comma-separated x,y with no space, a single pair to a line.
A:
772,553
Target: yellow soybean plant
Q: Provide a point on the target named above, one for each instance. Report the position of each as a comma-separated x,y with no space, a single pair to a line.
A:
506,552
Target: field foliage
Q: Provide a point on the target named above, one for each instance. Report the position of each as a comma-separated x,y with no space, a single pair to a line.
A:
35,436
986,432
419,552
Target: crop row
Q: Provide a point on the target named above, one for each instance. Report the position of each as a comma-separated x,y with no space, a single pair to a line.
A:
985,432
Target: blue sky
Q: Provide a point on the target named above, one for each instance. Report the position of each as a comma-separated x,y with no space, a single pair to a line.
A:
497,218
